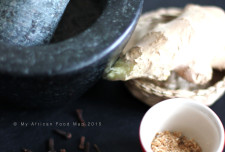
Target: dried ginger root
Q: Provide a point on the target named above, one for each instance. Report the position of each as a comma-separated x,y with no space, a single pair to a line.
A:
188,41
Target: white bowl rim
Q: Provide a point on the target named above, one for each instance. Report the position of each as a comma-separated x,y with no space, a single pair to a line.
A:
217,119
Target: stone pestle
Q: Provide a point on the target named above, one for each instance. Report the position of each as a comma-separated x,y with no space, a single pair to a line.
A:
29,22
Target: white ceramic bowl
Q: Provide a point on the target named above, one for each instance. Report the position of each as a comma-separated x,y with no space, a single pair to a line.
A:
192,118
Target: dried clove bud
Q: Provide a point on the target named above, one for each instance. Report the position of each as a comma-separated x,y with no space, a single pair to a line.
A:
51,145
80,117
26,150
66,135
96,148
82,142
87,147
62,150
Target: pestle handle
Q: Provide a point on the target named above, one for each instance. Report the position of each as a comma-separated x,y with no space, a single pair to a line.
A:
29,22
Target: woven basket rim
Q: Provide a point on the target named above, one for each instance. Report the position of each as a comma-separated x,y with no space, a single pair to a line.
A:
207,96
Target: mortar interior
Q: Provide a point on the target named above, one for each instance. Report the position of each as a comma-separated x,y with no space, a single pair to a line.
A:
78,16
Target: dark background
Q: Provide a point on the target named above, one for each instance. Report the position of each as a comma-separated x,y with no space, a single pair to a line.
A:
115,112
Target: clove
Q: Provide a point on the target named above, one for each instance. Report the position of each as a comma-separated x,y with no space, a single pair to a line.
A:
82,142
87,147
80,117
51,145
66,135
62,150
96,148
26,150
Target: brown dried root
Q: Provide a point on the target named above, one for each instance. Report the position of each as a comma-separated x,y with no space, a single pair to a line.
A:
189,42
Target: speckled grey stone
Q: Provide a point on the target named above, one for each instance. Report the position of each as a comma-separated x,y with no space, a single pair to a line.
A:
59,72
29,22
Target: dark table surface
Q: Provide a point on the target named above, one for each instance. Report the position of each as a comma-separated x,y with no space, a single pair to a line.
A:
112,114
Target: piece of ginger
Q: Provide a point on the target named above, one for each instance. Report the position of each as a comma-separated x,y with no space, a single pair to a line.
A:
188,41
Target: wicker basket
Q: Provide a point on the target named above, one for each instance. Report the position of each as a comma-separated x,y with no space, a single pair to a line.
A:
151,93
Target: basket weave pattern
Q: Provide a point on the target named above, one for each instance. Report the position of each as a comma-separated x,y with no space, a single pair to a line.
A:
151,94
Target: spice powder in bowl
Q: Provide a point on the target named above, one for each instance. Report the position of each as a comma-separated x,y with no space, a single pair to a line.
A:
167,141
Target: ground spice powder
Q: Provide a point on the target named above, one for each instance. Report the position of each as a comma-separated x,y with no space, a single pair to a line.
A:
167,141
